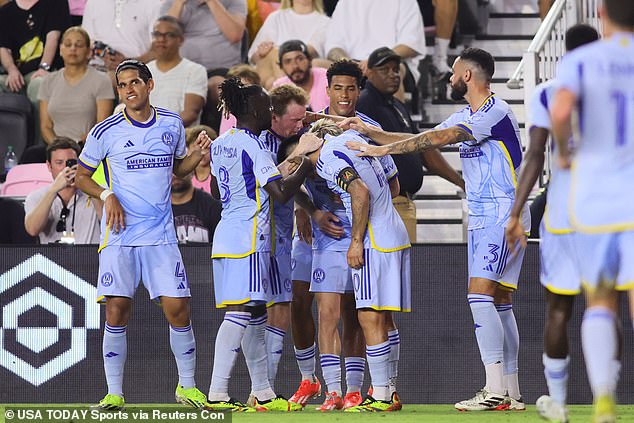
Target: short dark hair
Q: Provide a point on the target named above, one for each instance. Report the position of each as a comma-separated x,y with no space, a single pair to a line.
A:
481,58
621,12
345,67
61,143
283,95
580,34
144,72
172,20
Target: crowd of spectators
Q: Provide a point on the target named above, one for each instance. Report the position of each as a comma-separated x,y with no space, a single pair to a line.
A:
62,54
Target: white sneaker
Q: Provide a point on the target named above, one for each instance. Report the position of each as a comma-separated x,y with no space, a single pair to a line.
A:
550,410
482,401
512,404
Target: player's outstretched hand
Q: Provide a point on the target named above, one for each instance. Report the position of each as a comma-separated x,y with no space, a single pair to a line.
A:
304,228
515,233
328,223
202,143
355,254
115,218
367,150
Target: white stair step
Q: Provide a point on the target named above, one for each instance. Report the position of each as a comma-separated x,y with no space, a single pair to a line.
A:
439,233
513,24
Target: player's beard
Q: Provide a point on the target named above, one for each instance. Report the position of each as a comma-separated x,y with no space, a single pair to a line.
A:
458,90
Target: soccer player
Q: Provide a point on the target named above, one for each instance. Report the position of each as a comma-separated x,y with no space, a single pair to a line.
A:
559,265
491,153
596,82
246,176
140,147
379,259
289,107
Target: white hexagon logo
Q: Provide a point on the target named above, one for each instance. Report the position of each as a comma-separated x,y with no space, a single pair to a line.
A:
38,339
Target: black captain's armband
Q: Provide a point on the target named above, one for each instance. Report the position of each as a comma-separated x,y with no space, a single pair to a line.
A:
346,176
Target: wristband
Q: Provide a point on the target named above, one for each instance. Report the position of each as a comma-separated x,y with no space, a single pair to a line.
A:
105,194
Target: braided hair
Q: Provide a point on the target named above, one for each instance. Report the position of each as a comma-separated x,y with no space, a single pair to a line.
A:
235,97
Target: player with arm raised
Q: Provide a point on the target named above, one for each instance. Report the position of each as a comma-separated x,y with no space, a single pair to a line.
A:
596,83
246,175
491,153
140,147
560,273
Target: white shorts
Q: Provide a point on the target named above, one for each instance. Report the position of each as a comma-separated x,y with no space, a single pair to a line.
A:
301,260
280,277
160,267
384,282
490,258
560,271
330,272
242,281
607,257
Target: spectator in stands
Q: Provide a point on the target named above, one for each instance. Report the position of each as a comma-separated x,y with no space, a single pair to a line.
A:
378,102
120,29
202,174
248,76
76,97
12,229
60,210
213,30
196,213
296,62
296,20
358,27
180,85
29,38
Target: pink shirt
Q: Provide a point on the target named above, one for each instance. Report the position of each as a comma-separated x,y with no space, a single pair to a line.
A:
319,99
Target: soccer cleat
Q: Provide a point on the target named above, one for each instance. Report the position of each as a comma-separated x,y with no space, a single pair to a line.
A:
307,390
229,405
512,404
550,410
396,400
604,410
110,402
372,405
278,403
352,399
482,401
333,401
191,397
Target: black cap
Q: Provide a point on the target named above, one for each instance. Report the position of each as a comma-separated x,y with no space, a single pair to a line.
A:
382,55
144,72
292,45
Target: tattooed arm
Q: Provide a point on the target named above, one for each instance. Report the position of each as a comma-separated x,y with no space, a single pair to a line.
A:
420,142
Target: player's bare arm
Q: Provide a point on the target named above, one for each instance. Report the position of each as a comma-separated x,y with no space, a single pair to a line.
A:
561,113
115,217
533,165
420,142
197,151
349,180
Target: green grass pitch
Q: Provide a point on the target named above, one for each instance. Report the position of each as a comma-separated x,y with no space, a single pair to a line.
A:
411,413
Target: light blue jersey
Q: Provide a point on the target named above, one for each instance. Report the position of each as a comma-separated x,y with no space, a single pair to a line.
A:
601,75
138,159
242,166
556,214
386,230
490,162
325,199
282,217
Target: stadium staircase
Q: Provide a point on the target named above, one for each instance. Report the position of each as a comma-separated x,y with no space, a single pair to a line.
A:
440,207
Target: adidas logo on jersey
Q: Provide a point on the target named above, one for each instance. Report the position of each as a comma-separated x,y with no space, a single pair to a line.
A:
129,144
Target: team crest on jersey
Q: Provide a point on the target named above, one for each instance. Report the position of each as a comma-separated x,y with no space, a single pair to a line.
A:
167,138
107,279
319,275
